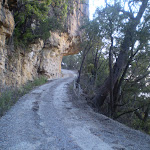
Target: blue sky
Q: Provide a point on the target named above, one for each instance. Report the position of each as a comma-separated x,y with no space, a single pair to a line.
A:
93,4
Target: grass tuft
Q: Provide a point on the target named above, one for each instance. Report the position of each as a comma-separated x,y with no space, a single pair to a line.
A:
10,96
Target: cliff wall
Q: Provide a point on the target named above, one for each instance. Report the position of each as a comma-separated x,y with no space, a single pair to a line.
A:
19,66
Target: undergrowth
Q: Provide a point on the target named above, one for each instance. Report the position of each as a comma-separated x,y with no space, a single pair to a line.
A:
10,96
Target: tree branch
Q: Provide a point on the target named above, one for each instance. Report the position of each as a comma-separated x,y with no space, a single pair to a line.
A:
132,110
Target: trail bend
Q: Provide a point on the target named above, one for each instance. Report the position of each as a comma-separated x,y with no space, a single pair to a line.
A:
49,119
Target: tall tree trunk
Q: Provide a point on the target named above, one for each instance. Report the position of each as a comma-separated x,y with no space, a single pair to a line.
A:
80,70
116,90
85,52
122,58
111,78
117,87
94,71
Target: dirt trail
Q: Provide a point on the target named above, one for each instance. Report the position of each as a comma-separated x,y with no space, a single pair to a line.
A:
49,119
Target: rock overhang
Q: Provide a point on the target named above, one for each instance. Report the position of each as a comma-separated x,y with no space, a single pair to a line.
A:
42,57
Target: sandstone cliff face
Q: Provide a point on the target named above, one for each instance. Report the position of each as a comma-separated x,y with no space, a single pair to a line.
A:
6,29
17,67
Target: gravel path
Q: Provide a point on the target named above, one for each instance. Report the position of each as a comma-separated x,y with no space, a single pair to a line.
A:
48,118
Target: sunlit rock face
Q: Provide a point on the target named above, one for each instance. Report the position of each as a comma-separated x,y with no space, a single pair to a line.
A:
57,46
19,66
6,30
63,44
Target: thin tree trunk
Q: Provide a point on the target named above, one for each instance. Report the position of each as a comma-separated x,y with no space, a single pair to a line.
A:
111,79
80,70
83,59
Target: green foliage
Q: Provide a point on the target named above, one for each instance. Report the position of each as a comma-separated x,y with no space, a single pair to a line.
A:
141,125
90,68
92,46
5,101
10,96
71,62
33,20
50,24
39,81
60,8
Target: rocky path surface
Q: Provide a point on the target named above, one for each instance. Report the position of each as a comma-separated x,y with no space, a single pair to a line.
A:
49,119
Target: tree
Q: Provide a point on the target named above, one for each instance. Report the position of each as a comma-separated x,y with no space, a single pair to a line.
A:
122,59
90,41
129,38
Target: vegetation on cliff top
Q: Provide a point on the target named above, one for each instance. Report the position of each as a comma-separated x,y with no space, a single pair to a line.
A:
35,19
